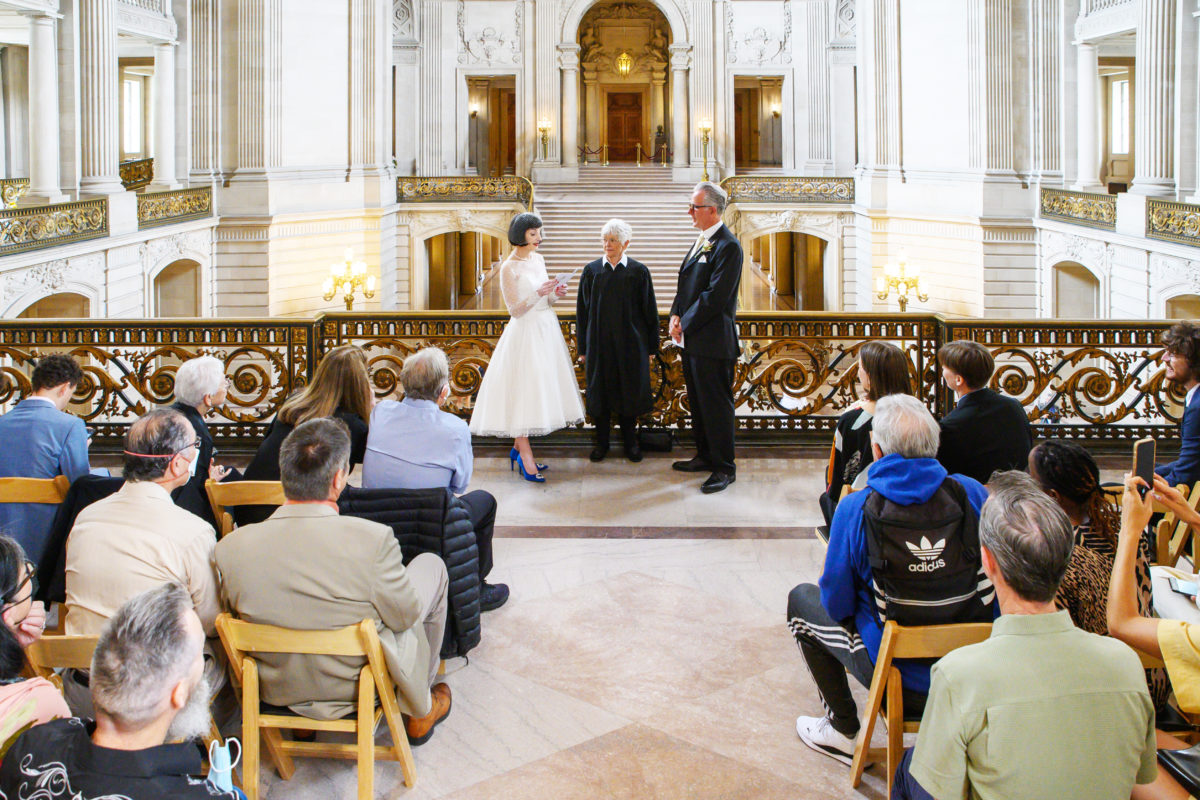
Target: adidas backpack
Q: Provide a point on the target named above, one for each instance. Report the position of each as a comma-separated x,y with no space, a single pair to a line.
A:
925,559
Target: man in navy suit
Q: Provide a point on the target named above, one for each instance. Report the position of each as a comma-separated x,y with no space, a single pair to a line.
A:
703,324
1181,356
38,439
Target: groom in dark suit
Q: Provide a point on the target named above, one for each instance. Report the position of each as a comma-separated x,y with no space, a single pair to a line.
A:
703,324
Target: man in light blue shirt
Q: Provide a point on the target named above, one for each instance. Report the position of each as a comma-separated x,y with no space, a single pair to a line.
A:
38,439
413,444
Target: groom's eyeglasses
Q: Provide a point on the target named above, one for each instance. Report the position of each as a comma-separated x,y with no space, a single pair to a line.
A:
693,206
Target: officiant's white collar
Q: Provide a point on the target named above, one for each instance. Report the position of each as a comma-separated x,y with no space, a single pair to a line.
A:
624,262
708,233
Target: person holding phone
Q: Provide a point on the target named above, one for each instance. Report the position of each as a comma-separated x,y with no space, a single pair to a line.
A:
529,387
1181,357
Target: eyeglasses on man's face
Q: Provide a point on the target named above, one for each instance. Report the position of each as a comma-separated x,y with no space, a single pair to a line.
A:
693,206
196,444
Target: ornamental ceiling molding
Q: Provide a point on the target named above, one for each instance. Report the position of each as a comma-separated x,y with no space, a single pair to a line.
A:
825,225
676,13
1093,254
845,24
423,224
1170,270
758,47
53,276
141,22
487,45
403,26
1111,21
196,245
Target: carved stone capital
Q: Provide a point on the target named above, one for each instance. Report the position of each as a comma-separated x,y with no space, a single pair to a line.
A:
681,56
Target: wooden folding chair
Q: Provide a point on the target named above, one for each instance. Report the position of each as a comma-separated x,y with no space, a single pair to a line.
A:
930,641
1173,536
240,493
243,640
51,653
34,490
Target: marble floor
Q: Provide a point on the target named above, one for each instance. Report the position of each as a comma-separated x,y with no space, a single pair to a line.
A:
643,652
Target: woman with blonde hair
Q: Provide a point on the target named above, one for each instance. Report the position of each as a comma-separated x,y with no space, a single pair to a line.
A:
340,388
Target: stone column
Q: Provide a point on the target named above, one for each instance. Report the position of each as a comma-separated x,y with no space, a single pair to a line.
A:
591,111
1087,169
681,60
568,59
1154,101
98,97
658,82
162,94
44,176
203,33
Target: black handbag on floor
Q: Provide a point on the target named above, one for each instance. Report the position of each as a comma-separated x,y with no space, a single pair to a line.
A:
656,440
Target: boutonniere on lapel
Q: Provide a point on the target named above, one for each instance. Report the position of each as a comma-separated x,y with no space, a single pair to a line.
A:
702,254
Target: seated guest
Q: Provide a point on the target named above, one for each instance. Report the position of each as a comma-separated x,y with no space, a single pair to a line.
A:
617,322
921,522
307,567
22,702
38,439
1176,642
200,387
1181,355
412,444
1040,709
340,388
148,689
137,539
986,431
882,370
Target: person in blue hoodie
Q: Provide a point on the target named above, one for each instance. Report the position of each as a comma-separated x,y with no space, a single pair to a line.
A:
836,623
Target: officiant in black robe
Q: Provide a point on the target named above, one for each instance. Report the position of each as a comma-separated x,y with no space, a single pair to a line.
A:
617,326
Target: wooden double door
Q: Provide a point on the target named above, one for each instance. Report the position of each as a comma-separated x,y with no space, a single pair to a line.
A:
624,116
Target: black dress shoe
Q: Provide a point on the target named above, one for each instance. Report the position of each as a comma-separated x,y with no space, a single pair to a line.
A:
717,482
633,453
598,452
492,596
696,464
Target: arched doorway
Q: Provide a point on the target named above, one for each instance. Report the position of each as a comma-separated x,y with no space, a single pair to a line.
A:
624,98
63,305
1184,306
177,290
794,266
1076,292
460,264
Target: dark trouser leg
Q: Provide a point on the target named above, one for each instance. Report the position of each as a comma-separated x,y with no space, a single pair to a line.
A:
482,508
628,431
830,651
904,785
603,423
709,386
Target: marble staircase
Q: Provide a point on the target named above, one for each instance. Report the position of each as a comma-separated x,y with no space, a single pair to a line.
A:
645,197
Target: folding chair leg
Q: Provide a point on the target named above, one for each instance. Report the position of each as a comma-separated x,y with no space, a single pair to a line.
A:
366,734
273,741
895,731
862,745
250,737
391,712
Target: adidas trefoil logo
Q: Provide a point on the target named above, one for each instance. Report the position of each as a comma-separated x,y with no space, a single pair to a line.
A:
928,553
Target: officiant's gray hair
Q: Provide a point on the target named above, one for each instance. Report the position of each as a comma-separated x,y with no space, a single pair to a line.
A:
715,194
618,228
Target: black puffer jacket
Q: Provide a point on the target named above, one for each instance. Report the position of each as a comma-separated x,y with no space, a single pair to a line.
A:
431,521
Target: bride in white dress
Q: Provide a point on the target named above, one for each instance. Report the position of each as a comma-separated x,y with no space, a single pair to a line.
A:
529,388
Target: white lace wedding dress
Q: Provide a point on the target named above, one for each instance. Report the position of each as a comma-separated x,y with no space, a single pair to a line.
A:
529,388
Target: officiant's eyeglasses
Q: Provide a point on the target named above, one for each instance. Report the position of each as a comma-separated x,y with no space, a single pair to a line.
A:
693,206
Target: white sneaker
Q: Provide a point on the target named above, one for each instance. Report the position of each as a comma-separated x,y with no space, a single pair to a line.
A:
819,734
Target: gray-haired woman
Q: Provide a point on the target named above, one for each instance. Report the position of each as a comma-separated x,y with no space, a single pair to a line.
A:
617,325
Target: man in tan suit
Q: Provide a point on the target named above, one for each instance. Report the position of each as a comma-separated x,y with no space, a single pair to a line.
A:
306,567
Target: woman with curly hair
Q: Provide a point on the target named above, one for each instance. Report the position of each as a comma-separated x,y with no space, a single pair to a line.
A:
1068,473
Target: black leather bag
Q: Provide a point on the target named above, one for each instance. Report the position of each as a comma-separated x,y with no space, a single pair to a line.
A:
1183,766
656,440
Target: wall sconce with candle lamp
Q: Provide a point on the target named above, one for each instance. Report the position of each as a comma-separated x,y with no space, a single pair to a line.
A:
903,279
705,130
544,132
348,276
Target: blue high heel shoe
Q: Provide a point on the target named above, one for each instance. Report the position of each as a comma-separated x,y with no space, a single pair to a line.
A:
514,457
534,478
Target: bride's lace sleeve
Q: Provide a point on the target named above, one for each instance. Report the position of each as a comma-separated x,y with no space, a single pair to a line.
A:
510,287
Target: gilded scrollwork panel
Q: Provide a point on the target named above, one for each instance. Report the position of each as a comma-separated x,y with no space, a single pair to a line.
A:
778,189
1080,208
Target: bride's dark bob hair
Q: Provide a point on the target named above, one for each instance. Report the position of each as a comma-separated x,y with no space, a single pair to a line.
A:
525,221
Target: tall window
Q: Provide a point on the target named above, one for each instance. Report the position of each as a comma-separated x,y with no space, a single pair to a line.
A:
131,108
1119,117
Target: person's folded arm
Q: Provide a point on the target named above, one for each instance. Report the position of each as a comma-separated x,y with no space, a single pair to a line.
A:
1124,621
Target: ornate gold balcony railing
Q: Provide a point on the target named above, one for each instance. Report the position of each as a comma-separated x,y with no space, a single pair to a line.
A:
36,227
464,189
780,189
12,189
168,208
1080,208
1173,222
1096,381
137,173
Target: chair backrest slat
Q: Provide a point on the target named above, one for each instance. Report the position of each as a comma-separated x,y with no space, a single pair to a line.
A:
248,637
34,490
935,641
60,652
240,493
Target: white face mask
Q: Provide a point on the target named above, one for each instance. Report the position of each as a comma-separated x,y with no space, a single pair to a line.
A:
192,465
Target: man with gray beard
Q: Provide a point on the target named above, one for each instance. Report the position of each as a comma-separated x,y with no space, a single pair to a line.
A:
148,689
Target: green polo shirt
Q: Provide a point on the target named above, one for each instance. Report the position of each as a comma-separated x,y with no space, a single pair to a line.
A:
1039,710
